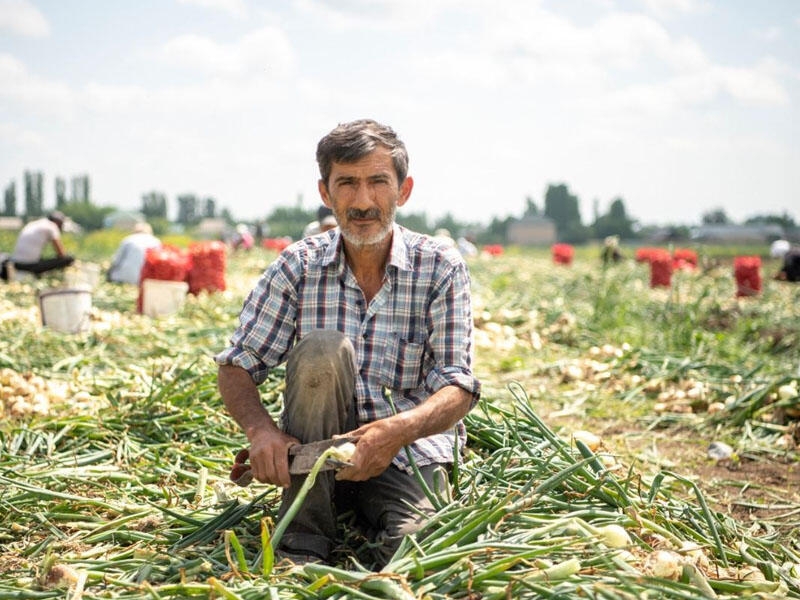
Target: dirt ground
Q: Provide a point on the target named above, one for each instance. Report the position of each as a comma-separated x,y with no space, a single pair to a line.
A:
761,488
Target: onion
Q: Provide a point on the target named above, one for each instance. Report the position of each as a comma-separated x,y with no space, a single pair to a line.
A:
614,536
665,564
591,440
785,392
343,452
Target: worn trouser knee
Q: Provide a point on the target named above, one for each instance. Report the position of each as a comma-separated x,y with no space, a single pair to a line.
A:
318,404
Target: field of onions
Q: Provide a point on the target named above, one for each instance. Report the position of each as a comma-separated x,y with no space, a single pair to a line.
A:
115,449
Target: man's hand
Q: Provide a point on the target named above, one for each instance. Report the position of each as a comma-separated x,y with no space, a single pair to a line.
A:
269,455
376,446
269,446
377,443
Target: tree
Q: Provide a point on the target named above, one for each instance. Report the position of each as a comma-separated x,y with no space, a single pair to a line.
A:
289,221
615,222
414,221
187,209
80,189
531,210
716,216
10,200
785,220
495,233
209,208
448,222
154,205
562,207
61,192
33,194
88,215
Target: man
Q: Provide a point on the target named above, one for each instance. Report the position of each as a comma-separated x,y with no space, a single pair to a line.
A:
325,222
127,262
790,267
32,241
375,325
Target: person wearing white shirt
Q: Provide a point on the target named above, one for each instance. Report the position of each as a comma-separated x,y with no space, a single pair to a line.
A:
126,265
33,240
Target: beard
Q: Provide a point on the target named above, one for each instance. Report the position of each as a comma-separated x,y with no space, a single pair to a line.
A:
363,240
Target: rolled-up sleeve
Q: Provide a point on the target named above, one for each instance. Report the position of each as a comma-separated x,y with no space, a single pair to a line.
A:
266,324
450,322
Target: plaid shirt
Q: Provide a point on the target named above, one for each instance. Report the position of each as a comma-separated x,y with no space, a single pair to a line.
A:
412,339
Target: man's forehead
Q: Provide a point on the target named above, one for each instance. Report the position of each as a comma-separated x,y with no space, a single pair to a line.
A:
379,160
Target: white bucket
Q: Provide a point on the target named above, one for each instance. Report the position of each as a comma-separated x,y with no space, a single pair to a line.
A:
162,297
66,309
82,273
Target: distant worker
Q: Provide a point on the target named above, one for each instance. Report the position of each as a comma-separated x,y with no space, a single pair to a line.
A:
242,238
611,253
128,260
467,246
33,240
790,269
325,222
443,236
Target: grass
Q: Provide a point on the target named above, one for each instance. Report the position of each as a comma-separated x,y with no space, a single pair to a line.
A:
118,488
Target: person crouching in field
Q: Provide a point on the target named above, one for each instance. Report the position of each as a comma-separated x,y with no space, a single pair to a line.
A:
128,260
32,243
374,323
790,269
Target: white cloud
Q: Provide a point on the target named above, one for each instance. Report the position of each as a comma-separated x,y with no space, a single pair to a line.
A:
770,34
382,14
21,138
23,18
665,8
32,92
235,8
266,51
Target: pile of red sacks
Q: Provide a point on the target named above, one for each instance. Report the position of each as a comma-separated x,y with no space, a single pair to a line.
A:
202,267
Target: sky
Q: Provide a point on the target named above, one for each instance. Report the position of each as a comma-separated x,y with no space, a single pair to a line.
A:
679,107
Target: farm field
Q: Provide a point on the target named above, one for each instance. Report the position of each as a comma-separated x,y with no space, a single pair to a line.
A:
587,472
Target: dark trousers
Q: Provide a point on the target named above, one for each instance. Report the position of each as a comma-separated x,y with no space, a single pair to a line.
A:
42,266
318,403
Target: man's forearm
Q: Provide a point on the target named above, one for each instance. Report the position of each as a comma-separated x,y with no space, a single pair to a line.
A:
438,413
242,400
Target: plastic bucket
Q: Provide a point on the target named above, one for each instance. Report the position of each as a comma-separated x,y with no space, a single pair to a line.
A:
83,273
66,309
161,297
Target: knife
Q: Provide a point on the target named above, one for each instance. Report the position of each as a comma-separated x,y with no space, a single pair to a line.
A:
301,459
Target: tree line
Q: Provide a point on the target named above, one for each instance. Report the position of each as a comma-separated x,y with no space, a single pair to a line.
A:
560,206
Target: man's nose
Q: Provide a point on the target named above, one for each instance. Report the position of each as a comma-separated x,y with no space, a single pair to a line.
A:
363,197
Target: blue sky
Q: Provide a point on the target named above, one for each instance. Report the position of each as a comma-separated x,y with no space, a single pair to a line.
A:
677,106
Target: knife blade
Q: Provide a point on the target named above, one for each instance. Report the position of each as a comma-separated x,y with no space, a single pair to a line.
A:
303,456
301,460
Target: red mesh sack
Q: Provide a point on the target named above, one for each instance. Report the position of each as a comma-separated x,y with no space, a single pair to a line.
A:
166,263
562,254
207,271
493,249
660,269
645,254
683,258
747,271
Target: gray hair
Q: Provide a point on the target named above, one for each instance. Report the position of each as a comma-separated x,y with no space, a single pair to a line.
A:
350,142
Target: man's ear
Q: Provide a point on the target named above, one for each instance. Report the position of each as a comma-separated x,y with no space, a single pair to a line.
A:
405,190
323,193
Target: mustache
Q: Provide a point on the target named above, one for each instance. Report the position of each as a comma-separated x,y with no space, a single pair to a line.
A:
357,213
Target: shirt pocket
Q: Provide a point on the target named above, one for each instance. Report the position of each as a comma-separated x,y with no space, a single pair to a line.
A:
401,367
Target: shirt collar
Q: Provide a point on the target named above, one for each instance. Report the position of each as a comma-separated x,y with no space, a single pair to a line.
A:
398,254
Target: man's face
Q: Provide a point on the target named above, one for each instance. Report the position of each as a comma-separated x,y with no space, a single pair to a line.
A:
364,196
